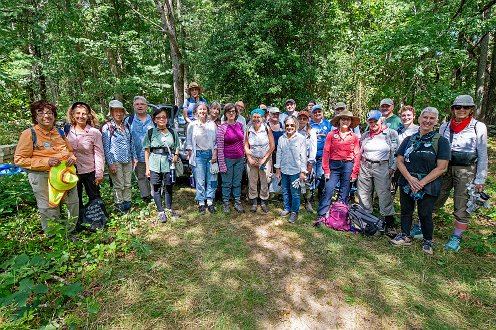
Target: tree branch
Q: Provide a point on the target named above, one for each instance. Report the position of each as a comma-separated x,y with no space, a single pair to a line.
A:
460,9
487,6
144,17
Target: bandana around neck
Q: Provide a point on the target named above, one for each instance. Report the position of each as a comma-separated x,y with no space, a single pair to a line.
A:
457,127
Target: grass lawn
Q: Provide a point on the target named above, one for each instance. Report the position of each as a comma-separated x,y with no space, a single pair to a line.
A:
251,271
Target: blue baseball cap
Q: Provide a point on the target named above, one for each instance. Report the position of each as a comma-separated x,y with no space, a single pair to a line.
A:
316,107
374,114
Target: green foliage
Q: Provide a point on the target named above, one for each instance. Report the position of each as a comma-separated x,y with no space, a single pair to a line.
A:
43,277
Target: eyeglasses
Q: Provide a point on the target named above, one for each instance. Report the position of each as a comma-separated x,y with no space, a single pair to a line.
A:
290,125
302,118
459,107
161,117
231,111
44,113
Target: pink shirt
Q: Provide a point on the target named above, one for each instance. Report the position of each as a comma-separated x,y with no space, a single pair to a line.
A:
341,146
88,148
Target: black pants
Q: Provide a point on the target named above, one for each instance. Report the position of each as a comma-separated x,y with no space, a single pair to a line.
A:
424,209
92,190
161,183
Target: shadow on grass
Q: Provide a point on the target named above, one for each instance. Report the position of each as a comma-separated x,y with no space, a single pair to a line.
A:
257,271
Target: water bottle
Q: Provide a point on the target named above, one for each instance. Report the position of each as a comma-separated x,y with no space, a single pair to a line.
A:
173,173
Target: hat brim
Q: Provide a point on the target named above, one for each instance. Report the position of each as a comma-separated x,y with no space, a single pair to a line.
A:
355,121
110,111
188,90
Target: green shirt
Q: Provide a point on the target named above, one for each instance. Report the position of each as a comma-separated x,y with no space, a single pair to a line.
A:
159,163
393,122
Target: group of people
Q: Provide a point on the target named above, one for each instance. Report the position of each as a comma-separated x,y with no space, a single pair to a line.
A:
299,153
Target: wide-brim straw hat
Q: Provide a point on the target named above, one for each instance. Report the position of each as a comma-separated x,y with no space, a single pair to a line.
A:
355,121
194,85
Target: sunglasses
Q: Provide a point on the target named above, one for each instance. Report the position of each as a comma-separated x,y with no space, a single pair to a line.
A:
459,107
231,111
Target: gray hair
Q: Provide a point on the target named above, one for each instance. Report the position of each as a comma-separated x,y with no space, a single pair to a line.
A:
138,97
431,110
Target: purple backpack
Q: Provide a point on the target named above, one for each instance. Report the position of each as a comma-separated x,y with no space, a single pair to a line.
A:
338,217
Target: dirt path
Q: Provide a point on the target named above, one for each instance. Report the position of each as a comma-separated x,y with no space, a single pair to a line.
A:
306,299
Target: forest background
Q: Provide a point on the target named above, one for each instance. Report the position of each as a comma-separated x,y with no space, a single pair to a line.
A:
417,52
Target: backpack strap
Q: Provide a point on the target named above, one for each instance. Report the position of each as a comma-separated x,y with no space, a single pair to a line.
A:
67,129
435,142
33,137
150,133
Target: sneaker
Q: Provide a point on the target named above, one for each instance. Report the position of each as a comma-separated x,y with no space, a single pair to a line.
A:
401,239
162,218
238,207
211,208
126,206
201,209
416,231
293,216
253,207
225,207
284,213
309,207
453,243
264,207
427,247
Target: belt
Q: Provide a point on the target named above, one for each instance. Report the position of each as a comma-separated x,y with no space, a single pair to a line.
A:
160,151
341,160
374,161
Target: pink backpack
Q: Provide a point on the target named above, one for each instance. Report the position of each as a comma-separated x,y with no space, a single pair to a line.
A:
338,217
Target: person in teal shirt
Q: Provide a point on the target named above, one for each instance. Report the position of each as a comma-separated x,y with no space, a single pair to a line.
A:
391,120
161,146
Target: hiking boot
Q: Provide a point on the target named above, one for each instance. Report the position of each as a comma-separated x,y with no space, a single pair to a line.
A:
120,207
401,240
225,207
390,232
162,217
389,220
453,243
284,213
320,219
309,207
416,231
238,207
201,209
293,216
254,205
427,247
171,215
146,199
263,206
211,208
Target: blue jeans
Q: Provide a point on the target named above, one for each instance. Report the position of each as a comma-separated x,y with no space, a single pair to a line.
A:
319,175
290,195
206,183
340,172
231,180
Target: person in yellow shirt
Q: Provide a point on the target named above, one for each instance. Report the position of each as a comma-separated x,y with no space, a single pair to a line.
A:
40,148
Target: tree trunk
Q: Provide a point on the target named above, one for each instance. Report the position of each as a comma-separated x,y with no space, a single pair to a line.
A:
481,91
166,10
489,115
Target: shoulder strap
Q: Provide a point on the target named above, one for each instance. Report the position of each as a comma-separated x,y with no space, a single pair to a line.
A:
67,129
150,133
61,132
435,142
173,134
33,137
130,119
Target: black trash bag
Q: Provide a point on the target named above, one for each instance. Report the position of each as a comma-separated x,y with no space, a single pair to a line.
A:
93,216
